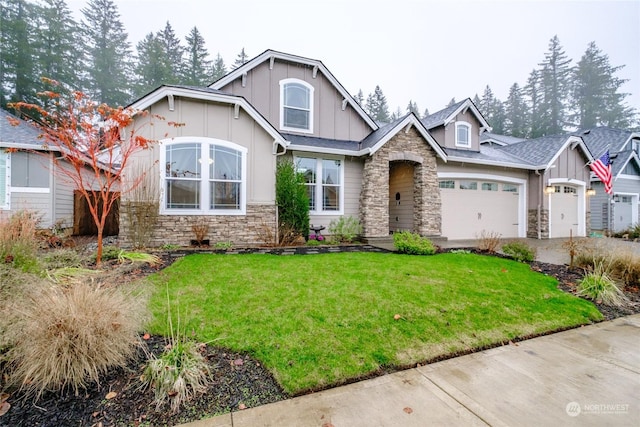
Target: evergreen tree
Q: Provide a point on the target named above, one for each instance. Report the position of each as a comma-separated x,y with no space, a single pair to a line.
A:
426,113
107,51
595,92
453,101
219,69
240,60
153,68
555,73
413,108
476,100
174,52
60,47
492,110
197,64
18,55
376,106
396,114
359,97
536,113
516,110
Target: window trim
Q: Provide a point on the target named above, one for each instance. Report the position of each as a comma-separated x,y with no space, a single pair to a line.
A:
205,180
319,185
468,126
285,82
7,180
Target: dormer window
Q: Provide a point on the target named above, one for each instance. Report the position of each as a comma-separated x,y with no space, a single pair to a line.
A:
296,101
463,134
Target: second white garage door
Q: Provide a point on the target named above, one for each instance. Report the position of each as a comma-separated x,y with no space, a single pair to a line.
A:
470,206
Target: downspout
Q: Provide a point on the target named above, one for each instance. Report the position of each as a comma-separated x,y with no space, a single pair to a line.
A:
539,212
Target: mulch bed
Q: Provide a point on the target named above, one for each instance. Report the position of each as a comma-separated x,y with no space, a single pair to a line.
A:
238,380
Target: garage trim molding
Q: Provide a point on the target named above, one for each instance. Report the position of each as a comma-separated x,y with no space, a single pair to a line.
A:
522,195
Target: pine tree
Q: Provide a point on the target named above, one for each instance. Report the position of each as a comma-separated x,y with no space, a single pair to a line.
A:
18,55
555,73
412,107
536,113
426,113
219,69
376,106
476,100
240,60
107,51
359,97
453,101
197,65
492,110
516,110
174,52
153,68
396,114
59,49
595,92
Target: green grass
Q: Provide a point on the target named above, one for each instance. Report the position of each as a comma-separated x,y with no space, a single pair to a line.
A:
320,320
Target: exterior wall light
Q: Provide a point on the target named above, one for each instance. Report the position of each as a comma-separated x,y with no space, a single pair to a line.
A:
549,189
591,191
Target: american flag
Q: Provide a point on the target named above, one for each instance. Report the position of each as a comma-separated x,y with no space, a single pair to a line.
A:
602,168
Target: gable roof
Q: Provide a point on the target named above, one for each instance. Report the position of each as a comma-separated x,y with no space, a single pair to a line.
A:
620,161
601,138
498,139
446,115
542,152
270,55
23,136
207,94
368,146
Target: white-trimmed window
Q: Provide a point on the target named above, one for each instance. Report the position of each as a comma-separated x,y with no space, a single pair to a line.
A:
203,176
468,185
296,106
4,179
510,188
324,180
463,134
489,186
449,183
30,172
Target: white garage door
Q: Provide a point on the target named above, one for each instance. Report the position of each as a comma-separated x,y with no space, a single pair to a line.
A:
470,206
563,216
622,213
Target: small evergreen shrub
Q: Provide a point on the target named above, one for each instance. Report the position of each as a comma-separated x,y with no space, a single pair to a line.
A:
345,229
413,244
313,242
519,251
293,202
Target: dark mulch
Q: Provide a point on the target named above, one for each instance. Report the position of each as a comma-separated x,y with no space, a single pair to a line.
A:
238,380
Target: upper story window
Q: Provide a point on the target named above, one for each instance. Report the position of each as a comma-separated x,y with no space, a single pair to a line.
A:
4,179
463,134
203,176
296,106
324,180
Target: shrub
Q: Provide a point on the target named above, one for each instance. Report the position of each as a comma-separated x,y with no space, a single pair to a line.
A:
141,210
313,242
109,253
61,258
489,241
519,251
18,242
345,229
599,287
139,257
413,244
619,264
84,331
293,202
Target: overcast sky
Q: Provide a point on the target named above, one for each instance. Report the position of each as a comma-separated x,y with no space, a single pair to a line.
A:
425,50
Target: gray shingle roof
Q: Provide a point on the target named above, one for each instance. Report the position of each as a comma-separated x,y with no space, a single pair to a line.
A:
537,152
374,137
505,139
314,142
488,154
619,160
24,133
437,118
600,138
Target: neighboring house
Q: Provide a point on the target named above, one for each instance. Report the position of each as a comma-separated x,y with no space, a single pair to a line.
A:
430,176
619,211
27,181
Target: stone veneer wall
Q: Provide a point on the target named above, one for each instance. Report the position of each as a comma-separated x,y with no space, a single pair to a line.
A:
239,229
374,197
532,231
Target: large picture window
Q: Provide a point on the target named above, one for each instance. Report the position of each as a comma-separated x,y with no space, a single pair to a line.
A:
296,100
203,175
324,180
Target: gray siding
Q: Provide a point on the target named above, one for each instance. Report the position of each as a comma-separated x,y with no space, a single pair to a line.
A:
40,203
262,90
600,201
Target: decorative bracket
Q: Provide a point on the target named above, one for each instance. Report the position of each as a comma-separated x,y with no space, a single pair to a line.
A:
344,104
244,79
315,71
271,61
236,111
171,101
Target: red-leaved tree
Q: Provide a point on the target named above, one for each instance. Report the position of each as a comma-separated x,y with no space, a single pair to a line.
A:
96,140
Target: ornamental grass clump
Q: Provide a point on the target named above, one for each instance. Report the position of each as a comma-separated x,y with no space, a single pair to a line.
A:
519,251
600,287
413,244
18,241
84,331
345,229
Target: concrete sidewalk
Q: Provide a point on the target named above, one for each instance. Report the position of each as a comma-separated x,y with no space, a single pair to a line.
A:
588,376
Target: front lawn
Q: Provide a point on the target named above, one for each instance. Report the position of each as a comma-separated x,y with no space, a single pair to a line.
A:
320,320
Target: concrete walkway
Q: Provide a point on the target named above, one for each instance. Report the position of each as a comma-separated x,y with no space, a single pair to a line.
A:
583,377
